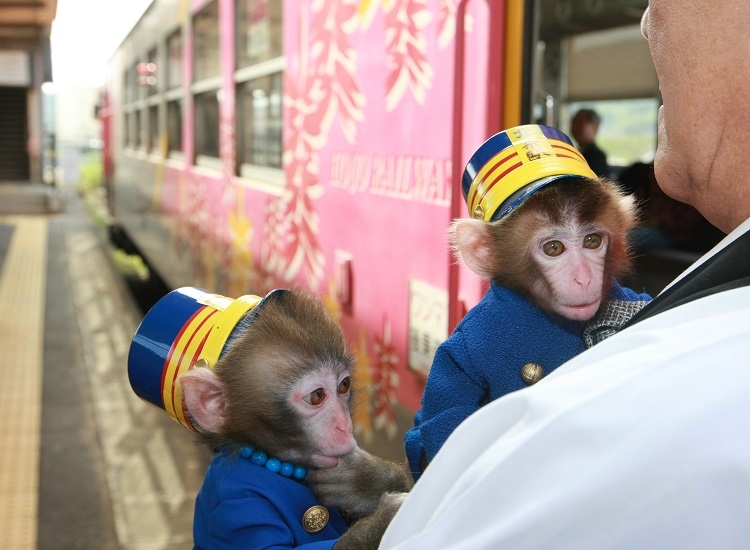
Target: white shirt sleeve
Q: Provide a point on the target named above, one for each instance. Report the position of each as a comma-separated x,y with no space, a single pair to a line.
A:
642,441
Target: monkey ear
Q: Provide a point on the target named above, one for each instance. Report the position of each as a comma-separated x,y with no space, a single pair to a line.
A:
471,244
205,398
629,209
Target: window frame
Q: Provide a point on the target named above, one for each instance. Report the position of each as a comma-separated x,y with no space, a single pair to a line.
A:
251,173
206,84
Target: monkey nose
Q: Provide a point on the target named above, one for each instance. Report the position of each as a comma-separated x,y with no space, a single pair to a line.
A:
583,277
344,424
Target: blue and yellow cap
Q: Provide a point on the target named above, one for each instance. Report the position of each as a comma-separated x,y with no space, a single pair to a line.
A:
186,327
515,163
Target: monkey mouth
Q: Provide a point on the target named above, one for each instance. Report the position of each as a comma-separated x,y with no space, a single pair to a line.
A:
329,458
324,461
581,312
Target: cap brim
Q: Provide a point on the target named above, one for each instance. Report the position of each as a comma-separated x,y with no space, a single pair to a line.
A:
517,198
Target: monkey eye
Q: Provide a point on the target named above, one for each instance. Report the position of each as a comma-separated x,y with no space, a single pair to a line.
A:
344,385
553,248
592,241
316,397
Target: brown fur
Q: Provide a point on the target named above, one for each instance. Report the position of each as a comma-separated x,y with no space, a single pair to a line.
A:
291,335
599,203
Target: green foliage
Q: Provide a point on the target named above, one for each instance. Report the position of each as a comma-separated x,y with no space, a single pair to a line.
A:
90,173
129,265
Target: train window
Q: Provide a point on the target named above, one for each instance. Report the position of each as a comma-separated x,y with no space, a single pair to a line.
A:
138,132
206,42
131,84
260,109
206,128
627,132
260,65
129,141
206,84
174,126
593,55
153,129
174,60
259,36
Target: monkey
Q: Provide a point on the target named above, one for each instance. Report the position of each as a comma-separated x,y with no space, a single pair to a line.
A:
561,249
357,482
282,388
552,238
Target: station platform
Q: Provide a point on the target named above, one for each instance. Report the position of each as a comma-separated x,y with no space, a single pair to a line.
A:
84,463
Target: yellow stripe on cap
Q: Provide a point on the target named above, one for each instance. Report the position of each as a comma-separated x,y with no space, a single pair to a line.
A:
202,339
182,357
530,157
223,326
490,174
522,176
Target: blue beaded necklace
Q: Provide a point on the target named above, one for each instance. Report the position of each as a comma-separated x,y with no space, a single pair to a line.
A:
286,469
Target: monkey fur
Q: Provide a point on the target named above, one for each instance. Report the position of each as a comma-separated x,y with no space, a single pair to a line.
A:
288,336
356,483
500,250
283,386
553,264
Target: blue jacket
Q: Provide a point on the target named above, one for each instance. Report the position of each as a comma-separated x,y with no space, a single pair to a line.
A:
482,361
245,506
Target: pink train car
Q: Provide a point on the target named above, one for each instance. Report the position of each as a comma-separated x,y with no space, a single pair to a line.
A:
260,144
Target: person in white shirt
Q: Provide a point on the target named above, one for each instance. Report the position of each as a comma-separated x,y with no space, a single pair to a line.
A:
643,441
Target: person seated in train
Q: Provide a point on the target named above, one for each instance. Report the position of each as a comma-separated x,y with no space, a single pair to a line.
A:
584,127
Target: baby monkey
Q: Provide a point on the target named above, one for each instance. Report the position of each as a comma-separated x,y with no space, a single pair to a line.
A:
271,397
552,238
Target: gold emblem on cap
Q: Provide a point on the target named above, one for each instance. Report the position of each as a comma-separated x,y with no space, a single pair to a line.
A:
478,212
532,373
202,363
315,518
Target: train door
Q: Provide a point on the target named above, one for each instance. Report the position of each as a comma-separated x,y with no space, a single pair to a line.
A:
591,54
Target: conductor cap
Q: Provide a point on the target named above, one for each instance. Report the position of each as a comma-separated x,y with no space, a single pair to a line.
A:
515,163
187,328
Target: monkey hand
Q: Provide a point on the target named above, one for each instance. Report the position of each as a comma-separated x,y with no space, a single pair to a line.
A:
356,484
366,533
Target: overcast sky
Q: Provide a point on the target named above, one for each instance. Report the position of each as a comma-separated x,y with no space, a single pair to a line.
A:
85,34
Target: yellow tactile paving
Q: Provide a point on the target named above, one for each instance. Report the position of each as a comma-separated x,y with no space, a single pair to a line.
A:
22,289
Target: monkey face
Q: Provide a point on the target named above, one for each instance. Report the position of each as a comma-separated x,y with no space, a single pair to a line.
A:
321,400
283,386
571,259
561,248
